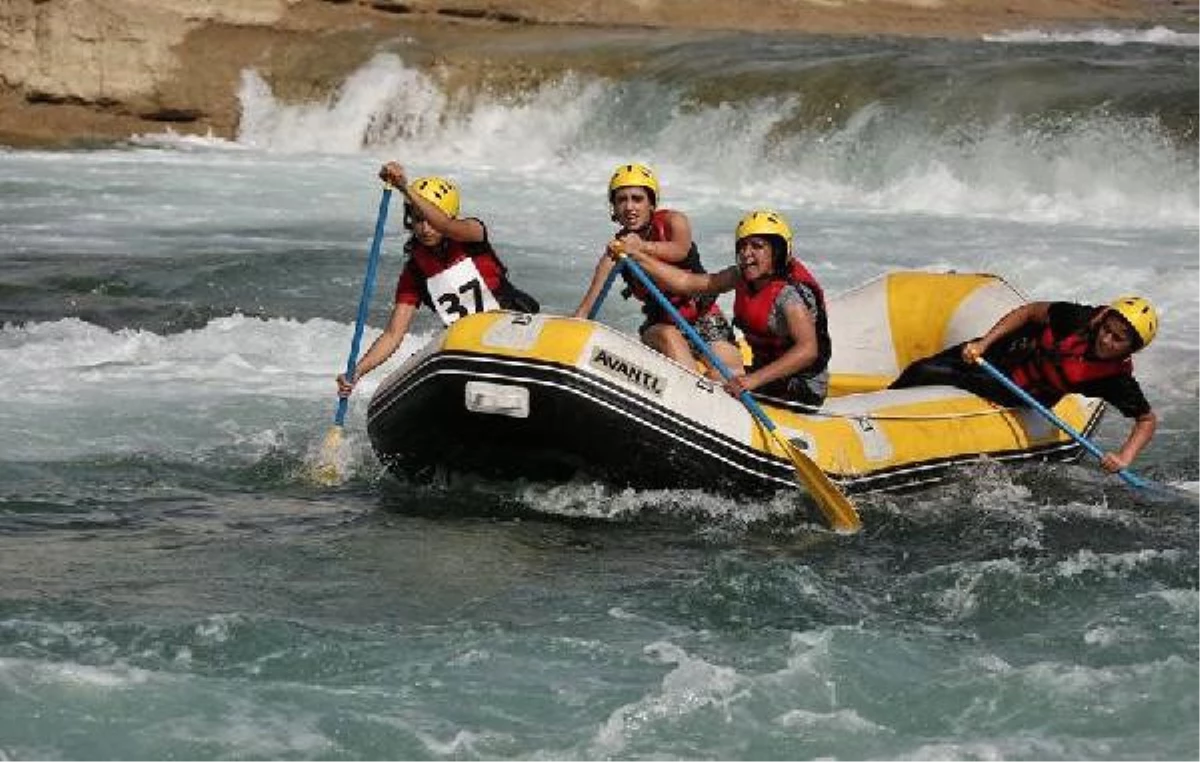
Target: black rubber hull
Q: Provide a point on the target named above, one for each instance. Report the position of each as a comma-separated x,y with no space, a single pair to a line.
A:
581,426
577,425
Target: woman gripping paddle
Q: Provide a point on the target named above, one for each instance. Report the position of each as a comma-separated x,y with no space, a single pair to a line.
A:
450,267
666,236
778,305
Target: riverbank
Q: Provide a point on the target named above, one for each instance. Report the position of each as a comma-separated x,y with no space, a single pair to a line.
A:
76,71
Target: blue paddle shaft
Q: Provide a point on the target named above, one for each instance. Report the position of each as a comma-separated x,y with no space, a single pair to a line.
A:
1049,415
696,339
839,512
612,275
364,301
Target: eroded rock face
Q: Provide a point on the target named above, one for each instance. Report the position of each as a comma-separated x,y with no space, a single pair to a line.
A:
116,65
108,51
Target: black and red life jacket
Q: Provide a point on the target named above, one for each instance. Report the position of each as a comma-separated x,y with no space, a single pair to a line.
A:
752,314
1059,366
429,262
690,307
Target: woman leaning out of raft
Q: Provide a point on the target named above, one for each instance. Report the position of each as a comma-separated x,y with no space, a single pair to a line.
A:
450,266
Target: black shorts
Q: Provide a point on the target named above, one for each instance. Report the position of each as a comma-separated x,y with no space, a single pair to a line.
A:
792,389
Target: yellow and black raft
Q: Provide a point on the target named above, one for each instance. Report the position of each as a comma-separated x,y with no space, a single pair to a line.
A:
546,397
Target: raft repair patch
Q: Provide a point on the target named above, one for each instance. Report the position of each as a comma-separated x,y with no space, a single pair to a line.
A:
622,368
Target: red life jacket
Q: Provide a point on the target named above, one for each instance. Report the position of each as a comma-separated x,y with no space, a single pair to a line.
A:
690,307
752,314
1059,366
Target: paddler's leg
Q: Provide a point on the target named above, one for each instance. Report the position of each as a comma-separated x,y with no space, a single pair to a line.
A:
729,354
944,368
949,369
669,340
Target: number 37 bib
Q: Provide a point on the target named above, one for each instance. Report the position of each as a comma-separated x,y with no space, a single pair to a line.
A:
459,291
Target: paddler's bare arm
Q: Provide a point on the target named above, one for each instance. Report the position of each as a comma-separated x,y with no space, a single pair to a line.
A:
803,331
382,348
674,250
465,229
1033,312
1139,436
675,279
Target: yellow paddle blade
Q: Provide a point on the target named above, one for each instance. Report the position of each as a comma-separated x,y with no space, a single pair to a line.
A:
838,510
329,469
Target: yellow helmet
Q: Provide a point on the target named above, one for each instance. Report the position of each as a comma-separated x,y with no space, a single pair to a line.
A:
764,222
439,191
634,175
1140,315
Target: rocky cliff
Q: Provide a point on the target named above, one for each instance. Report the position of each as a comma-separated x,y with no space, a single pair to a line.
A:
95,69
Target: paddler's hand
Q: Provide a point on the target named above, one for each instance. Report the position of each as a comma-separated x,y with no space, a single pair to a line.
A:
392,173
634,245
971,352
615,249
736,385
1112,462
344,386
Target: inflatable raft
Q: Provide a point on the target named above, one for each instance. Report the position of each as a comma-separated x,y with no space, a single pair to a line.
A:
546,397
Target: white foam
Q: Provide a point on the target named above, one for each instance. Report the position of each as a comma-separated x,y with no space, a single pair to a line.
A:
961,601
229,384
73,675
380,103
1158,35
1183,601
1106,636
693,685
463,744
247,728
1113,565
1101,169
840,721
592,500
1009,747
169,138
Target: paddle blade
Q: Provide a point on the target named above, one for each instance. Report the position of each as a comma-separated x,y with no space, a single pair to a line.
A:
330,468
1156,492
838,510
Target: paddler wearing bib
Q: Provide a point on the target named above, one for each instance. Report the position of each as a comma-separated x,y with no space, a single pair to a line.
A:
1050,349
778,305
666,236
450,267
